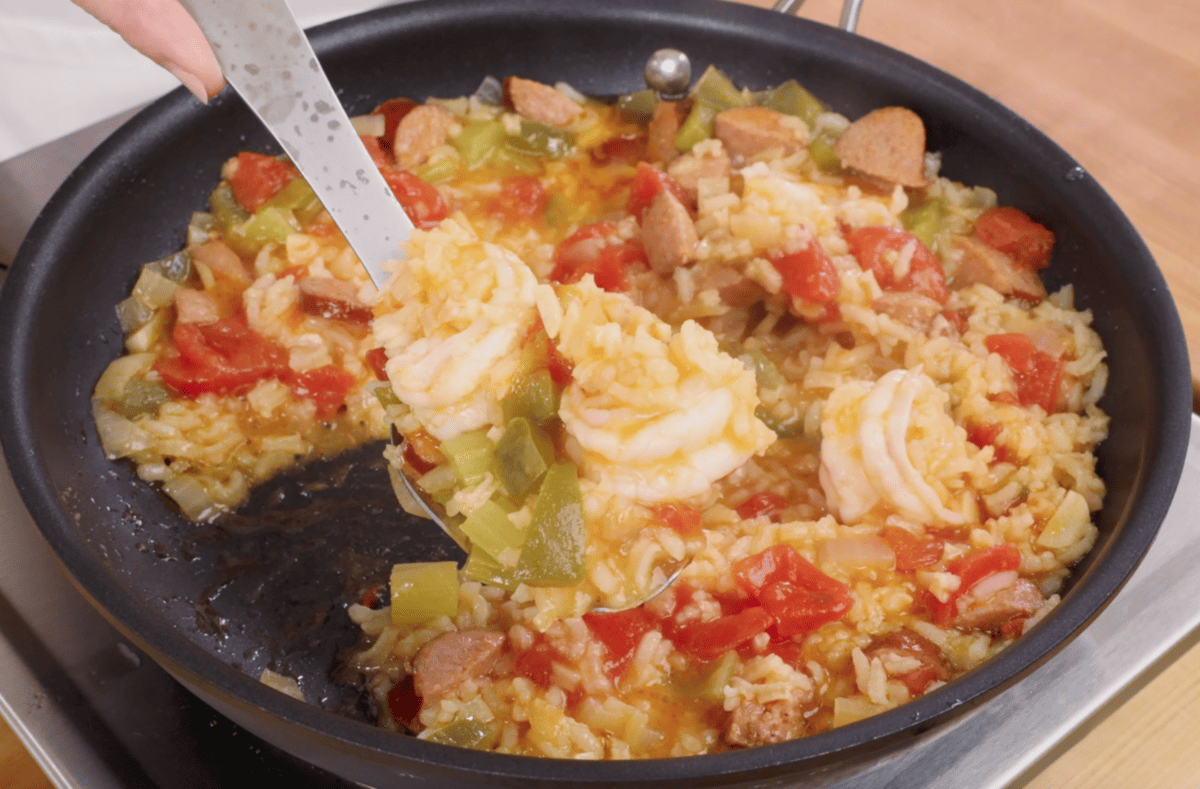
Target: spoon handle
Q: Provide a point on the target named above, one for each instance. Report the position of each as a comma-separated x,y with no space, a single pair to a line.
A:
267,58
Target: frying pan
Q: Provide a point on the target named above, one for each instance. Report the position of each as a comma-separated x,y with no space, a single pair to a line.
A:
216,604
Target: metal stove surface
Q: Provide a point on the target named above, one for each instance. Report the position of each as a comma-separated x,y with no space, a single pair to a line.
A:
96,713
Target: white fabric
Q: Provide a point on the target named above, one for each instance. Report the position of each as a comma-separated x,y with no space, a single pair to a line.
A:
61,70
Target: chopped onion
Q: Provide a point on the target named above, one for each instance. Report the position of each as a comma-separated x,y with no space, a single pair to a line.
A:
192,497
865,550
490,91
369,125
119,373
133,313
991,585
153,289
119,436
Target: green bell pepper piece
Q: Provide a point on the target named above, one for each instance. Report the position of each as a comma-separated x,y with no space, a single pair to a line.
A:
227,212
554,545
925,221
486,569
423,590
470,455
640,104
490,529
821,151
792,98
477,140
523,454
467,733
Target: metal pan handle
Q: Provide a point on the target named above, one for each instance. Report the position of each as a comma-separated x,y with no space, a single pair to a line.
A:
850,11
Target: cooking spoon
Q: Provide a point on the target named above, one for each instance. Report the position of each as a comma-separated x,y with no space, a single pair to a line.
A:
268,59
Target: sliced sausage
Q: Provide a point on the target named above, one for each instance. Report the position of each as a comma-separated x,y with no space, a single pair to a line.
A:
660,135
751,724
1020,599
452,658
888,144
538,102
668,233
334,299
222,261
689,168
909,307
420,132
195,306
908,646
980,264
746,131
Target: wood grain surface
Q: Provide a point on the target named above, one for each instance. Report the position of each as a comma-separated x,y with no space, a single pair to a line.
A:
1117,84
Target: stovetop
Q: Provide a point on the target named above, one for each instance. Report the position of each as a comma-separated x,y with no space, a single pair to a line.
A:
97,713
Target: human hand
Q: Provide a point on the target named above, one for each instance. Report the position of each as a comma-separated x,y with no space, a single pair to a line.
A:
164,32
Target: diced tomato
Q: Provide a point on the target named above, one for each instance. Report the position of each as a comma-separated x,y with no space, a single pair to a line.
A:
647,183
560,368
1037,374
1013,627
225,357
799,597
764,503
404,703
393,111
377,361
372,597
809,275
620,632
336,309
373,147
957,319
626,149
258,177
536,664
421,201
593,250
326,386
1014,233
986,435
683,518
925,274
521,198
798,609
971,569
709,640
912,553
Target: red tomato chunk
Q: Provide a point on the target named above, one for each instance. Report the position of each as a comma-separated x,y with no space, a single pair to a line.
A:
870,246
620,632
809,275
798,596
1037,374
971,569
647,183
1013,232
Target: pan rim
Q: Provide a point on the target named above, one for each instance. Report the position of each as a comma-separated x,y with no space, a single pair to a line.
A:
1168,445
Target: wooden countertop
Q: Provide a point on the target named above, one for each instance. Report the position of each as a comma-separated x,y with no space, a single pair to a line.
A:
1117,84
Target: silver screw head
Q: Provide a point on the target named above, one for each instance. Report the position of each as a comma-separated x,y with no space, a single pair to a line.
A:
669,73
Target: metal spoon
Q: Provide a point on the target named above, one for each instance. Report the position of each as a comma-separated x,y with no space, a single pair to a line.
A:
267,58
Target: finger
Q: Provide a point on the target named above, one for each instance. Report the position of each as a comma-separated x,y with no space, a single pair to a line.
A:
163,31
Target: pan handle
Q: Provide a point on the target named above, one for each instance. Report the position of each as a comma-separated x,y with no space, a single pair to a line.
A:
850,11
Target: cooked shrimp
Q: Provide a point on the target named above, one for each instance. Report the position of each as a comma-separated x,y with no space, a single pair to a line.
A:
864,447
452,322
658,415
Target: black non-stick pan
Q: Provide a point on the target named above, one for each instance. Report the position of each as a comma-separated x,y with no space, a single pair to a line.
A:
268,589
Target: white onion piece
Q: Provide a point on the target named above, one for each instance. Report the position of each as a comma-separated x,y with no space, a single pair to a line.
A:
856,551
990,586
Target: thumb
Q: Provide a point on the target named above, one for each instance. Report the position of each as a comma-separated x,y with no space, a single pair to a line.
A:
163,31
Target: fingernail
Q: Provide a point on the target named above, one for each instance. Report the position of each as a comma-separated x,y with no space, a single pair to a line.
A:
191,82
